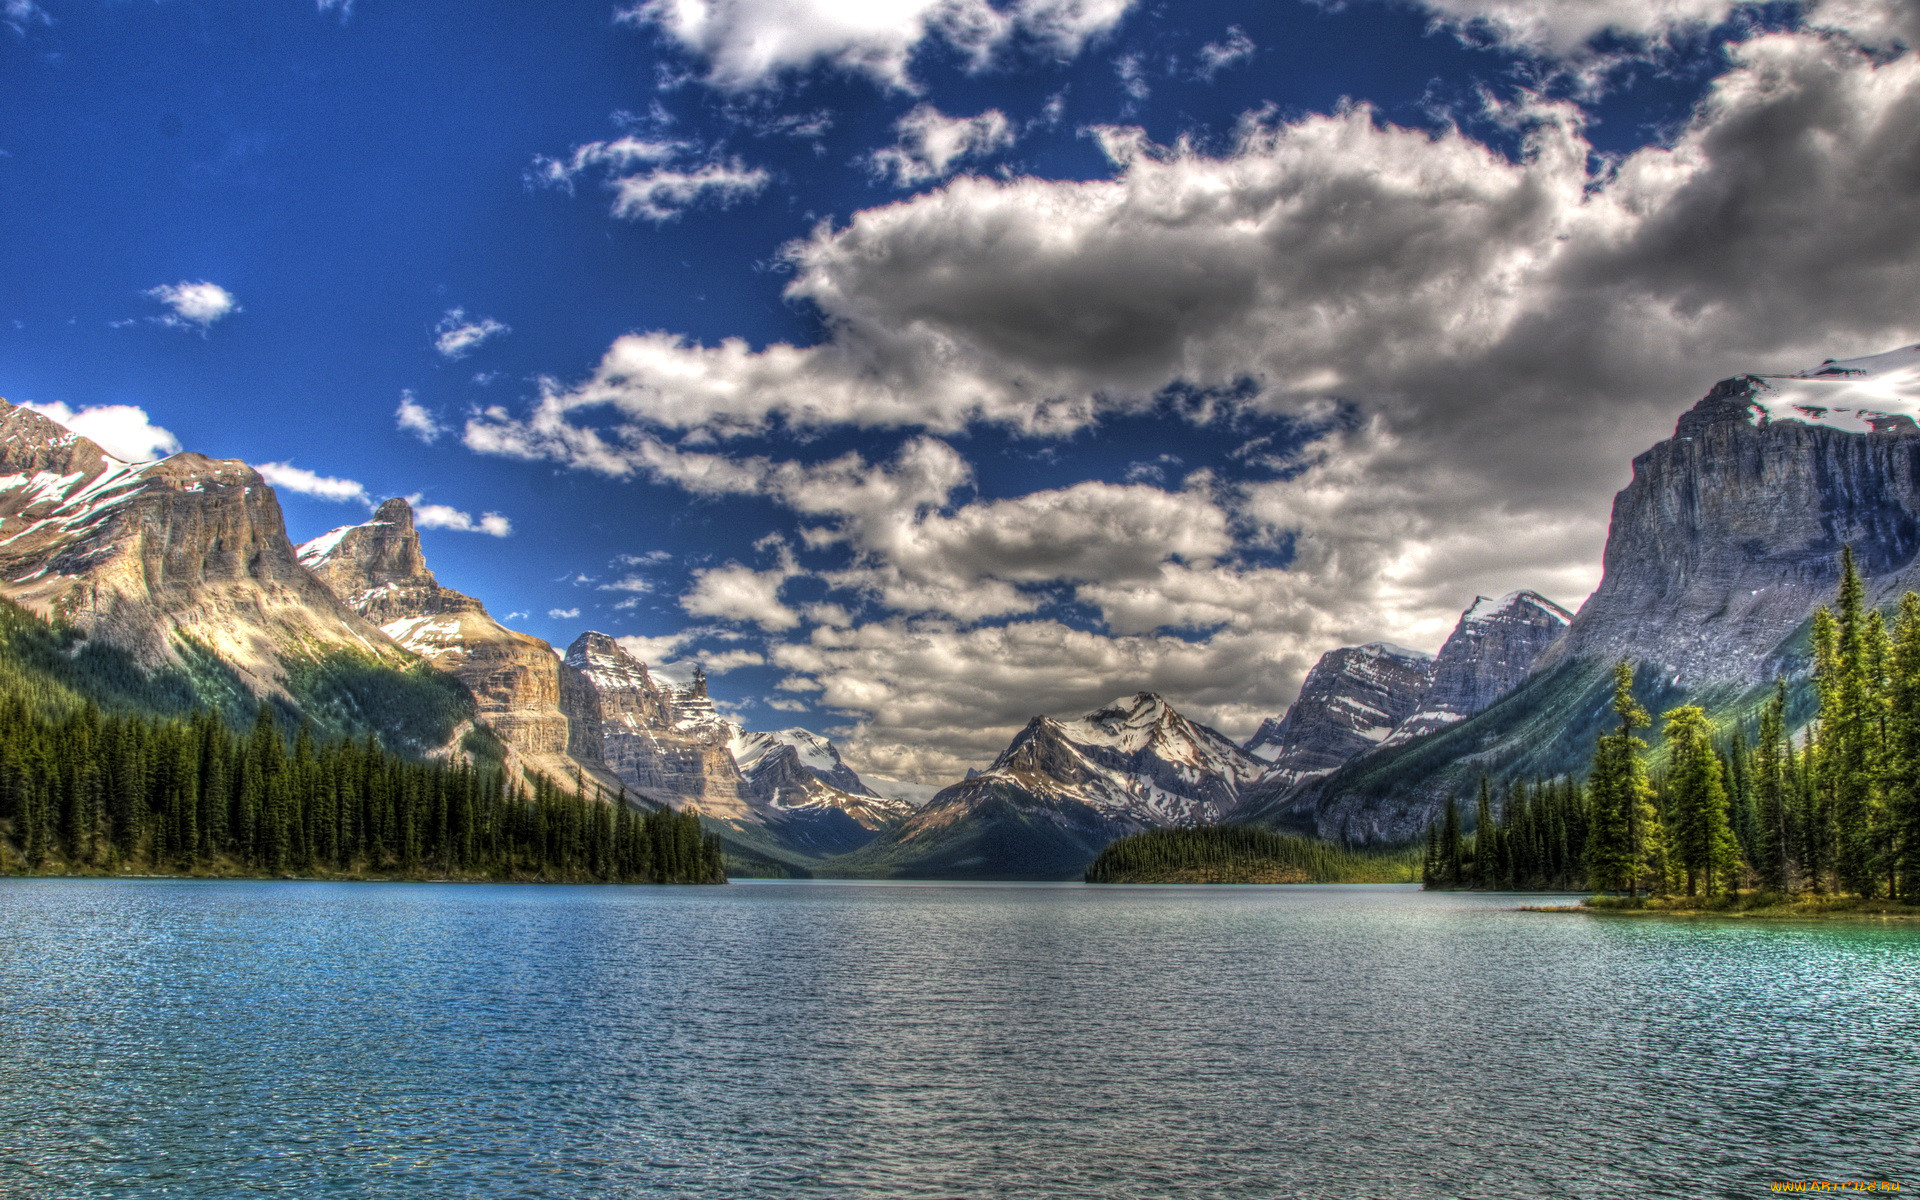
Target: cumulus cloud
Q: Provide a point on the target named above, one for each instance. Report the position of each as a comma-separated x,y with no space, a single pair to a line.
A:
415,418
563,614
745,45
1507,329
312,483
739,593
655,180
929,144
444,516
1570,31
456,335
194,305
122,430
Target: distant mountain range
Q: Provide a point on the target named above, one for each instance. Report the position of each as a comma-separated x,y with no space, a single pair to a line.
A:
1721,547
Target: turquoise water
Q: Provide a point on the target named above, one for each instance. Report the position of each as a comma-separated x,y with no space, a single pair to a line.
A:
871,1040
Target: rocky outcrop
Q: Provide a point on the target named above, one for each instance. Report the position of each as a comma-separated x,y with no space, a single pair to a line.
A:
147,556
1352,701
1062,790
1723,544
660,741
1729,536
378,569
1491,650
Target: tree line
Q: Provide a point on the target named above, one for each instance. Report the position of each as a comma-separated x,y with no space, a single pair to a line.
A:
1241,854
87,791
1836,811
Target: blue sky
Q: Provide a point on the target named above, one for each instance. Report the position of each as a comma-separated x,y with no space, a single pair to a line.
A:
929,367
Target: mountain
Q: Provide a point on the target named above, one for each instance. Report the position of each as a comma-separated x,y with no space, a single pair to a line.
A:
1061,791
1491,651
1721,546
184,565
798,783
378,570
658,740
1352,700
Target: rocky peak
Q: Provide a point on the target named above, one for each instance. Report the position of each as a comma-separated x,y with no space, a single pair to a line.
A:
606,662
1492,649
1729,534
813,753
1349,703
140,554
379,568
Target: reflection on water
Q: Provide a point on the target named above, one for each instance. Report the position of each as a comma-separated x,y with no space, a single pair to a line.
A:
852,1040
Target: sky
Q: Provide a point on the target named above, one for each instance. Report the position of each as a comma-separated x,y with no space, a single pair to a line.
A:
919,366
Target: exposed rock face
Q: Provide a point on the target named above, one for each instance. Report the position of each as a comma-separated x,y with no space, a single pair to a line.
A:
142,554
661,741
1490,651
1729,536
1722,546
797,782
378,569
1352,700
1063,789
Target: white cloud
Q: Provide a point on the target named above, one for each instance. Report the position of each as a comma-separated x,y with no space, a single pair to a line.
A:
750,44
563,614
787,704
122,430
415,418
1229,51
194,305
1504,331
456,335
444,516
1132,70
655,180
311,483
729,660
928,144
664,194
1569,29
739,593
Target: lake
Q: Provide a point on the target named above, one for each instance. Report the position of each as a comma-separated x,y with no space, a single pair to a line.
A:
934,1040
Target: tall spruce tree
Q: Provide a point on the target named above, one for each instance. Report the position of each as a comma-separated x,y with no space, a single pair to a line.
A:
1698,809
1774,841
1622,822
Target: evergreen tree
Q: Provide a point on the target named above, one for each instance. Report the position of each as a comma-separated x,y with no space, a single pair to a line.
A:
1774,841
1704,845
1626,846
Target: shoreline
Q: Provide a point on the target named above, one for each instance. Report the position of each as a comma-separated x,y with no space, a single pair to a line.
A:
1879,911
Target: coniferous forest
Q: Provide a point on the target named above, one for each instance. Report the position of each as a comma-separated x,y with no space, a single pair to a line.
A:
1758,814
87,790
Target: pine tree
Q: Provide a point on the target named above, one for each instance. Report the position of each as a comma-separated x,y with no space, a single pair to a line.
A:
1774,840
1626,847
1704,844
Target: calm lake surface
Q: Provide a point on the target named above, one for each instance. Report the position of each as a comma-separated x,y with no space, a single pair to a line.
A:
856,1040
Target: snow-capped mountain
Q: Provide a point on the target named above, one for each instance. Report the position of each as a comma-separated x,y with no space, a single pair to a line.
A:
1063,789
661,741
153,557
1352,701
1491,649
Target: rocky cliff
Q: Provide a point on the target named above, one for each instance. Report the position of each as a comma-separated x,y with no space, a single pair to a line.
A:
1722,545
377,568
156,556
1062,790
1352,700
1729,535
657,740
1491,650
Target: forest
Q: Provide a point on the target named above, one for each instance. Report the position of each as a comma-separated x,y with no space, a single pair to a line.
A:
1757,814
92,790
1243,854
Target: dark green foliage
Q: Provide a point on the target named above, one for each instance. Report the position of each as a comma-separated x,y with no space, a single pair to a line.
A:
107,769
1242,854
1536,843
85,792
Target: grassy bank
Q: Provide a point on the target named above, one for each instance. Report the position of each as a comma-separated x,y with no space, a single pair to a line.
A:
1758,905
1244,854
